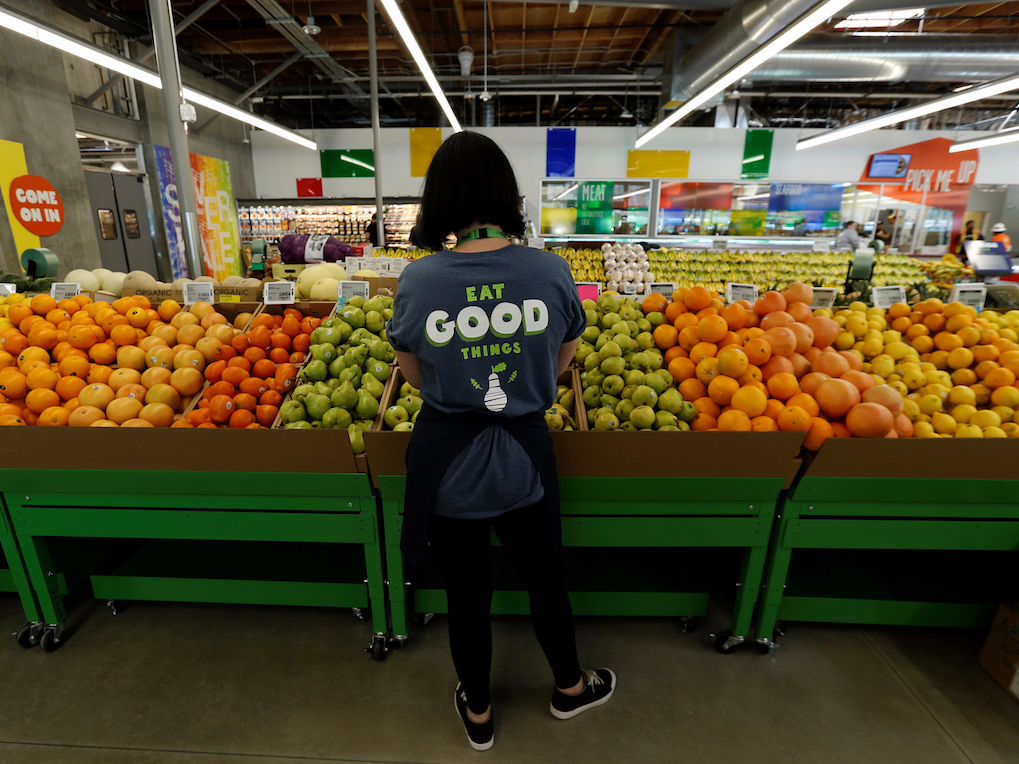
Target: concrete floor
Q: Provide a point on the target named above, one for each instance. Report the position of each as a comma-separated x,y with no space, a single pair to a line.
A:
175,683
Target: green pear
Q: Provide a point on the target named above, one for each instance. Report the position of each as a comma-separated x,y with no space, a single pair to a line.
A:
301,424
688,412
643,417
378,369
623,409
337,418
591,334
351,374
671,400
344,396
655,382
404,427
408,389
592,317
293,411
394,415
613,365
322,388
627,427
355,356
609,401
634,377
301,392
554,419
592,395
644,325
372,386
356,438
657,361
595,377
367,405
374,322
609,319
315,371
336,367
566,399
317,405
412,403
584,349
372,304
357,301
352,315
645,340
606,421
665,418
640,361
610,349
613,384
644,396
592,361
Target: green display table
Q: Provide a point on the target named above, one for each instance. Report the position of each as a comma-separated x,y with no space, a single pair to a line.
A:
639,498
899,532
248,517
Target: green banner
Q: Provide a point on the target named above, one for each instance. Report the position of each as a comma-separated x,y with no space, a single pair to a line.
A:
348,163
594,207
757,153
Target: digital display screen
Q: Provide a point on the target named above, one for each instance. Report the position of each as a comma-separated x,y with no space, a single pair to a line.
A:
889,165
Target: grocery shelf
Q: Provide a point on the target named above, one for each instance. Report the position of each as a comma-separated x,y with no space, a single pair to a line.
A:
613,498
251,487
927,502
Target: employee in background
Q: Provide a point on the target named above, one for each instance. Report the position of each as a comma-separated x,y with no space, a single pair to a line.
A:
998,231
624,226
848,239
970,234
883,235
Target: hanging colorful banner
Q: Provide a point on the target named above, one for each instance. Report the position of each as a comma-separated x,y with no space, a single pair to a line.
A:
424,142
217,215
171,212
347,163
657,164
757,154
561,152
309,187
13,165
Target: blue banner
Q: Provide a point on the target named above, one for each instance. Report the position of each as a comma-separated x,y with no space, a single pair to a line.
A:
560,152
171,211
786,197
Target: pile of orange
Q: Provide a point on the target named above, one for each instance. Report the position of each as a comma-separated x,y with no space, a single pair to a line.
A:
84,363
248,379
770,367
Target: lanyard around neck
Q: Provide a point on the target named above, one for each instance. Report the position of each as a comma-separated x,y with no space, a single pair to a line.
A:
482,233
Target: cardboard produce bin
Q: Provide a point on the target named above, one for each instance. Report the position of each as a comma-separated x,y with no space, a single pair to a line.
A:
1000,656
234,516
898,532
379,284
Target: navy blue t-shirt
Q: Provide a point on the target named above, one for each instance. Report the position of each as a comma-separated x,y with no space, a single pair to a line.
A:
487,327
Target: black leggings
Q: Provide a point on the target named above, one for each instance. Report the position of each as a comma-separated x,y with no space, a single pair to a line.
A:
462,550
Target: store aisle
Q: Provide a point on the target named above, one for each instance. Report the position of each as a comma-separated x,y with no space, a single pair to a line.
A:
175,683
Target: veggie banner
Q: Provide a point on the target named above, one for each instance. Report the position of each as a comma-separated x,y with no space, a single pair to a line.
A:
217,215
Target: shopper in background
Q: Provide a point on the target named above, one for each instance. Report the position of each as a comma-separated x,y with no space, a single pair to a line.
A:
882,234
998,231
969,234
373,231
848,238
484,330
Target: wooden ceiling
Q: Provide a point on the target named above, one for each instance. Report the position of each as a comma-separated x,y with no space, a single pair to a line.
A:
545,65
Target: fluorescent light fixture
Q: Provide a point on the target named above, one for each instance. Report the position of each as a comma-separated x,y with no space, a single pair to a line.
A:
1004,136
246,116
358,162
757,158
780,42
84,50
400,23
632,193
950,101
879,19
574,187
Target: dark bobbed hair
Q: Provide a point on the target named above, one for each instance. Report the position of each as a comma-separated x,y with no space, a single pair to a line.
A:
469,180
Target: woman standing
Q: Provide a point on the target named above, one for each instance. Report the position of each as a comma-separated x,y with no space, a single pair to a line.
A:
484,330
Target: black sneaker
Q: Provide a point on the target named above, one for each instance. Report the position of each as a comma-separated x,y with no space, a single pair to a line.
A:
481,736
599,684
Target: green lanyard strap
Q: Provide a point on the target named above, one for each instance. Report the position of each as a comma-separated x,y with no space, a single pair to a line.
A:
482,233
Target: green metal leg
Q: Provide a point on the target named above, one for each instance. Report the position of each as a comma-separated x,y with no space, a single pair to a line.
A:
39,565
775,572
373,568
398,599
16,566
749,587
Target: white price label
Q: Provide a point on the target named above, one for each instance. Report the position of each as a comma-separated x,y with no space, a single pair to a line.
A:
824,297
735,292
352,264
348,289
973,295
535,242
396,265
279,293
630,288
664,288
886,296
198,291
64,291
314,248
7,289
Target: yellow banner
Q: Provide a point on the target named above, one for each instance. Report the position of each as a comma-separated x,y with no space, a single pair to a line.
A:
13,165
424,142
658,164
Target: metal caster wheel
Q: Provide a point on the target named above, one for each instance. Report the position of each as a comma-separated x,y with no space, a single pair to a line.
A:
50,640
378,648
29,635
423,619
687,624
780,627
765,646
114,606
361,613
726,642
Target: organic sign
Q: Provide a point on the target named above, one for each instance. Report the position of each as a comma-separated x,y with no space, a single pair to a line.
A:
37,205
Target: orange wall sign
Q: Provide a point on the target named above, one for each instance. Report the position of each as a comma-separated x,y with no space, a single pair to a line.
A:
37,205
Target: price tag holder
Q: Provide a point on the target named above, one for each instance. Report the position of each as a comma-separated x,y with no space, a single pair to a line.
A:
6,289
973,295
198,291
279,293
886,296
664,288
630,288
588,290
64,291
734,292
348,289
824,297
